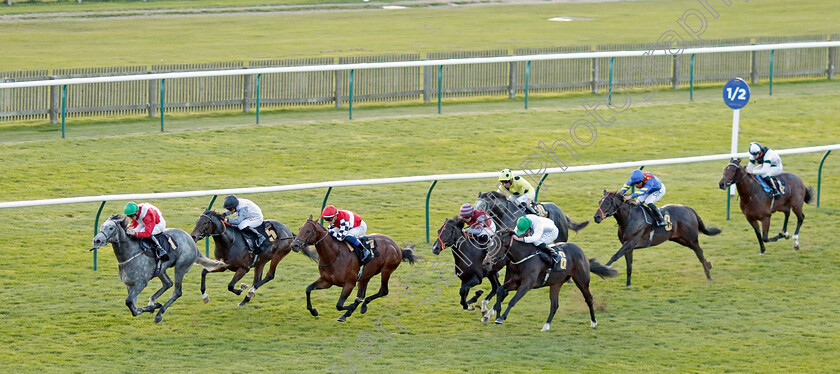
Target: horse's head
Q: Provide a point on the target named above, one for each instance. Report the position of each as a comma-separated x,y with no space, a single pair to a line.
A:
448,234
207,224
487,200
731,174
608,205
308,234
111,231
504,239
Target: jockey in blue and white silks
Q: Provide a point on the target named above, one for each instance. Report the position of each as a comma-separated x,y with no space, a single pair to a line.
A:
248,217
649,189
765,163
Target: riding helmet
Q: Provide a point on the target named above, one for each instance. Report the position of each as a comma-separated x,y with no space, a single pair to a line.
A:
466,210
329,212
505,175
131,208
755,148
522,225
231,202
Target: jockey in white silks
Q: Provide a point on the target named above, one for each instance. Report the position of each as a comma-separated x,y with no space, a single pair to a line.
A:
542,232
248,217
765,163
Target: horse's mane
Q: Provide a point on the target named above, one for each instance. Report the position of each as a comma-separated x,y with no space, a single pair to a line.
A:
495,194
119,218
214,214
458,221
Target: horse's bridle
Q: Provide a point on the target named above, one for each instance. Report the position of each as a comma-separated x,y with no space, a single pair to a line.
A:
448,222
605,215
224,226
735,181
298,240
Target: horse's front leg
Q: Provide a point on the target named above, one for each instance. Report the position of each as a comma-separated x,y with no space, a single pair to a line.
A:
345,293
236,277
204,295
523,289
465,290
754,224
765,229
319,284
628,245
131,300
785,234
494,287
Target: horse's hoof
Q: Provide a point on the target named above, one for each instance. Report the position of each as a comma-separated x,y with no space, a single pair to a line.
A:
364,309
593,324
158,318
341,319
499,321
314,312
241,304
470,307
786,235
251,293
710,264
546,327
484,306
206,298
243,286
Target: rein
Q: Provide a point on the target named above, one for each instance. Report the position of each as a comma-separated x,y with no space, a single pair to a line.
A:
130,259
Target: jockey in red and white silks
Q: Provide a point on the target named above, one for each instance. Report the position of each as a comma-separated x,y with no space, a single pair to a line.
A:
149,221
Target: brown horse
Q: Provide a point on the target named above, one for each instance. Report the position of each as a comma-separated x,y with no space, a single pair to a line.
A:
232,250
758,205
525,271
635,232
338,266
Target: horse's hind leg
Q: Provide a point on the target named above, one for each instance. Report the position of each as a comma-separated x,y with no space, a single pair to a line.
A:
800,217
554,295
257,278
699,252
275,260
785,234
167,283
582,283
345,293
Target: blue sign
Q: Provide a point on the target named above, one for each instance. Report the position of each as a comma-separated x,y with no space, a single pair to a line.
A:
736,93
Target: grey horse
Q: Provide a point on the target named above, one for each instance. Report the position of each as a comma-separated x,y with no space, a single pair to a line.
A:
136,269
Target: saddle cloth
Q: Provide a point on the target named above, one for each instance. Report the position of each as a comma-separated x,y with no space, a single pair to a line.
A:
649,218
767,187
368,242
268,229
166,242
557,249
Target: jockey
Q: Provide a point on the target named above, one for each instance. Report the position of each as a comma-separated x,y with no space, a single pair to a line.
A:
479,222
517,189
146,222
248,217
347,226
765,163
542,231
650,190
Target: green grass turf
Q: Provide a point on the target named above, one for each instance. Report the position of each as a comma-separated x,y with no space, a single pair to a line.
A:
772,313
213,38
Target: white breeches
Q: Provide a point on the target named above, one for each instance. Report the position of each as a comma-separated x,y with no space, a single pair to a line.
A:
358,231
651,197
251,222
519,200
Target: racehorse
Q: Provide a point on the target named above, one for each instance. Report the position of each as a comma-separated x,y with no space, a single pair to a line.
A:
525,270
505,213
338,266
136,270
758,205
634,231
233,251
468,253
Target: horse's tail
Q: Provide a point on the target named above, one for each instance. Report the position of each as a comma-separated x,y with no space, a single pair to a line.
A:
310,253
409,255
809,194
208,263
601,270
575,226
702,227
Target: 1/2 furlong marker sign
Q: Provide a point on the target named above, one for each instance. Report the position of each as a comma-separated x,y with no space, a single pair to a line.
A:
736,95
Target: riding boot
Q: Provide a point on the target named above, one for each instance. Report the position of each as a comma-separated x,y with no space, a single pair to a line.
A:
159,252
660,221
259,239
547,255
528,208
777,188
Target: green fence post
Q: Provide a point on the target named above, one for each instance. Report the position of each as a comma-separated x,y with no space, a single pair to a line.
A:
63,115
611,80
537,192
324,204
440,89
428,195
162,101
527,81
728,198
207,239
819,177
772,52
96,231
691,80
258,108
351,95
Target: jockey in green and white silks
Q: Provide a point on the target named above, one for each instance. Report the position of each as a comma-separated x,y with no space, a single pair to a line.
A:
649,190
765,163
517,190
538,231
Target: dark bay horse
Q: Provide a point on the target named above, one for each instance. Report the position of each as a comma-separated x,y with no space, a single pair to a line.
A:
468,253
758,205
338,266
505,213
232,250
634,231
136,269
525,271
